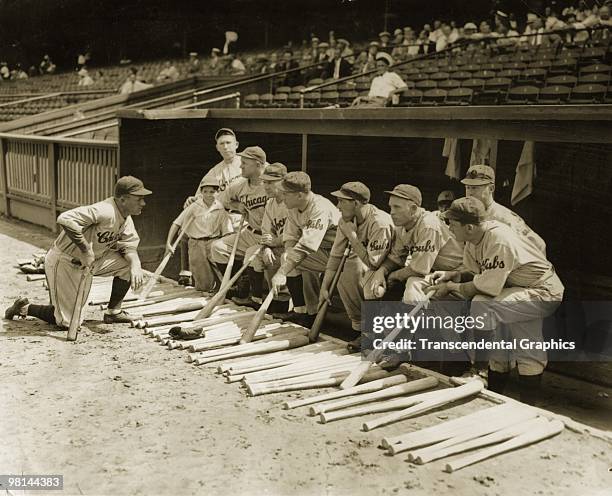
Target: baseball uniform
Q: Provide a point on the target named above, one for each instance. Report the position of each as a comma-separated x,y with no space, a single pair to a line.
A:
518,288
517,224
274,219
313,231
375,233
206,227
110,235
223,174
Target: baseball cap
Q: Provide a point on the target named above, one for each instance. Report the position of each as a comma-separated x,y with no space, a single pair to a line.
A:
296,182
398,31
343,40
407,192
467,210
470,25
374,43
384,33
353,191
255,153
479,174
130,185
274,172
447,196
209,181
223,131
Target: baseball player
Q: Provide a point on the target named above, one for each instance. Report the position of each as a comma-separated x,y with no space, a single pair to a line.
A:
224,173
480,183
308,237
247,196
445,198
209,223
369,231
512,286
423,243
101,236
272,227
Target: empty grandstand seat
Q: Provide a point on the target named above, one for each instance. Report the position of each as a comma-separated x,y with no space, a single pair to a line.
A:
433,97
563,66
283,89
312,99
329,98
532,76
555,94
459,96
522,95
409,72
484,74
348,86
473,84
588,93
471,67
430,69
563,80
461,75
427,84
449,84
509,73
266,100
493,90
347,97
293,100
280,100
593,54
569,53
540,64
411,97
421,76
595,77
595,68
251,100
546,53
362,86
315,82
439,76
297,89
515,65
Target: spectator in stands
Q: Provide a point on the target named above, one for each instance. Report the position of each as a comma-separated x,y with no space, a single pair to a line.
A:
410,42
399,51
5,73
445,38
360,62
251,65
236,66
32,71
133,84
168,73
345,50
83,59
193,66
425,46
325,52
314,48
18,73
100,79
261,64
337,67
84,77
398,36
286,64
469,30
384,86
273,64
372,53
436,32
507,37
230,37
332,39
384,40
47,66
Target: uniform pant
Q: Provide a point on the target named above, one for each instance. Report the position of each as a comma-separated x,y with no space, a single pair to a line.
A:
311,269
518,313
221,248
354,289
64,277
270,270
204,274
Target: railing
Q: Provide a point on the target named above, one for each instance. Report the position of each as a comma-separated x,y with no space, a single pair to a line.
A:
41,176
232,96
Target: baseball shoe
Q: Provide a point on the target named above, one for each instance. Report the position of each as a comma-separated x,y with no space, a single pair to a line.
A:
390,362
18,308
354,346
247,302
185,334
303,319
120,318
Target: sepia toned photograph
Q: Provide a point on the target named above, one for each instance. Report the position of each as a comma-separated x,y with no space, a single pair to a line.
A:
287,248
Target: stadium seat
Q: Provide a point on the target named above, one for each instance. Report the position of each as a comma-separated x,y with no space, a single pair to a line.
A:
329,98
563,80
266,100
347,97
449,84
532,76
439,76
280,100
595,77
592,54
427,84
484,74
411,97
588,93
251,100
471,68
312,99
461,75
315,82
475,85
509,73
515,65
540,64
410,72
563,66
297,89
493,90
595,68
283,89
459,96
556,94
522,95
294,100
348,86
433,97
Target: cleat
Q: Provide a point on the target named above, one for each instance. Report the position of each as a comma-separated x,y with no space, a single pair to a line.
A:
121,318
18,308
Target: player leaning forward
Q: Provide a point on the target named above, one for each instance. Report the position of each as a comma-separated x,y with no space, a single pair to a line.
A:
101,236
513,287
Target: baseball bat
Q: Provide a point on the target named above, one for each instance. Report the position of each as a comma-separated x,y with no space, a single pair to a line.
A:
75,319
230,264
313,335
362,368
220,296
247,337
162,265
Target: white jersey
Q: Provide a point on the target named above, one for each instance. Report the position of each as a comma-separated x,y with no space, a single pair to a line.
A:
274,219
223,174
254,198
516,223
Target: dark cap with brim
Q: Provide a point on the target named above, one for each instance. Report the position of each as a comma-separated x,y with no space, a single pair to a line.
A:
274,172
130,185
407,192
296,182
478,175
224,131
353,191
467,210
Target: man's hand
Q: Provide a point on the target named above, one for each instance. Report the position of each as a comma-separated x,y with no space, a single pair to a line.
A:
241,207
349,229
278,281
137,278
324,296
267,239
189,201
445,275
87,258
268,256
377,282
169,249
399,275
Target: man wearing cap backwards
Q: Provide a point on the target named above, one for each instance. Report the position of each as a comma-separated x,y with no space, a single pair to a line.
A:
384,86
513,287
480,183
100,236
247,196
369,231
308,237
272,227
207,225
445,198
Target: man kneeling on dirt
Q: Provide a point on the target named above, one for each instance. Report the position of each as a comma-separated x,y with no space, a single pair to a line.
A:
102,237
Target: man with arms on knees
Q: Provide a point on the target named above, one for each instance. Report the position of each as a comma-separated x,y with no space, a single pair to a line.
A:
308,237
101,236
423,243
247,196
480,183
369,231
512,286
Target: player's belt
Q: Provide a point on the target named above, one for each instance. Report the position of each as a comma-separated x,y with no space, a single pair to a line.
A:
256,231
206,238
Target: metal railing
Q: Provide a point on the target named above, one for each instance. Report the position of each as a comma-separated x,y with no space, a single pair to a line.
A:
232,96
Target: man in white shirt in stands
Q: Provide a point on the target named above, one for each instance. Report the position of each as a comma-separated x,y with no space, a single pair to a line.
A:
384,86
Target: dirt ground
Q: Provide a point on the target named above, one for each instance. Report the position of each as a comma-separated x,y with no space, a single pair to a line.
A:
116,413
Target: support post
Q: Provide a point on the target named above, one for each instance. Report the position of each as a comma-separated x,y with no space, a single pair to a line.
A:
52,173
304,152
5,187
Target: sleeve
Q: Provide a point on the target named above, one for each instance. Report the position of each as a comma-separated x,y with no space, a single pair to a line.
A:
129,239
180,220
380,242
266,221
469,263
498,261
399,82
226,197
292,231
398,251
313,231
430,243
75,221
220,223
337,250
